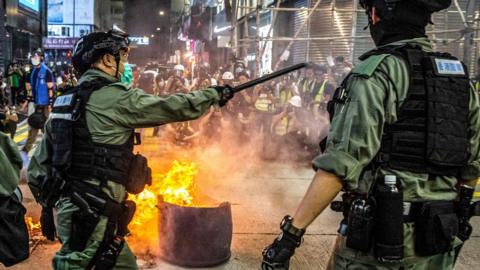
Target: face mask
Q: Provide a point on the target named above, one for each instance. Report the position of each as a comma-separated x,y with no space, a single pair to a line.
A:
35,61
127,75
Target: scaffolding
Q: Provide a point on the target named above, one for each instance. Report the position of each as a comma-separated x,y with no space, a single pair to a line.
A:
462,39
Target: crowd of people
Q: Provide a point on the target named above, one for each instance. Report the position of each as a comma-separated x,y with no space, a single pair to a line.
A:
290,110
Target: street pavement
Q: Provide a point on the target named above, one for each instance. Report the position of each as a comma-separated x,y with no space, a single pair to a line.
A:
260,196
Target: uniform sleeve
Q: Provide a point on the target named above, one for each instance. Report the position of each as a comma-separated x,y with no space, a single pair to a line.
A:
472,170
40,163
355,132
10,166
137,109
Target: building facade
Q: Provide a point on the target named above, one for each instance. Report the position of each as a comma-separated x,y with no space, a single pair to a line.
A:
68,20
23,24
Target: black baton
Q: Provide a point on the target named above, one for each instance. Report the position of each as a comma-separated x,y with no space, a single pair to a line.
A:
269,77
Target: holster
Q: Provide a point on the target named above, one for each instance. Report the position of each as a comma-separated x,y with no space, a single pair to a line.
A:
82,228
139,175
436,225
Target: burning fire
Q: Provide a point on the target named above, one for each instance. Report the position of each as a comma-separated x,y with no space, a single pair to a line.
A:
32,226
176,187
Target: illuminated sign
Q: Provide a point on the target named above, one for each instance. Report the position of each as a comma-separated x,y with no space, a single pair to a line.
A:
70,11
33,5
140,41
59,43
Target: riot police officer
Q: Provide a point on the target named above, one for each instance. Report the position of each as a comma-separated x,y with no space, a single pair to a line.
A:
405,122
12,226
84,166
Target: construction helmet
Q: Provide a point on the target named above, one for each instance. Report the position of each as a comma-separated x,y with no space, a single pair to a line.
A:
295,101
93,46
179,68
228,76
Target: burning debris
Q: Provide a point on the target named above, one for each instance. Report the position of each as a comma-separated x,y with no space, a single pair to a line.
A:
190,233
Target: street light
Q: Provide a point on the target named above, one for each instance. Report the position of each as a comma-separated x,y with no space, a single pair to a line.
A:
161,13
158,28
152,35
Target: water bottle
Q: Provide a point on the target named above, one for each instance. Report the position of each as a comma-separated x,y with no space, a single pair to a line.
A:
389,224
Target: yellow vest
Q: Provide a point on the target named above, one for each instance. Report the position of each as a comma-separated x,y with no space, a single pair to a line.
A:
285,96
319,96
306,86
285,126
263,103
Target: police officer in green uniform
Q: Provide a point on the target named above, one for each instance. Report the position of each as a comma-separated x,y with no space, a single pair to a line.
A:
10,166
84,166
406,123
13,231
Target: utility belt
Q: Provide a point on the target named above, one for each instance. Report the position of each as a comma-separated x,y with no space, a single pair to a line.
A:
377,221
92,204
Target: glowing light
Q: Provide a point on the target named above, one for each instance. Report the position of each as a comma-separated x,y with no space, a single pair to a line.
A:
177,186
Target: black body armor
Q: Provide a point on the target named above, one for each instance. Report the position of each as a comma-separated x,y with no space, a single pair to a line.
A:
75,154
431,132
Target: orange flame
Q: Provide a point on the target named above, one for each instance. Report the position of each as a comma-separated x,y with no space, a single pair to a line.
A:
176,187
32,226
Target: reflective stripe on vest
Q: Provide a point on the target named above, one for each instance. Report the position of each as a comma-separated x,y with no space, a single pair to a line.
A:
282,127
285,95
319,96
263,103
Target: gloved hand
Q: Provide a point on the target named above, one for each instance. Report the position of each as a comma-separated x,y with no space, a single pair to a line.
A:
277,255
225,93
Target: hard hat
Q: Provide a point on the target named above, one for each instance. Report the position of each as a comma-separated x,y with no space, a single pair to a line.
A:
88,49
228,76
179,67
296,101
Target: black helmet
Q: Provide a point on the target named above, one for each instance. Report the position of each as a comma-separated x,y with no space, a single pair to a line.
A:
416,12
38,52
93,46
37,119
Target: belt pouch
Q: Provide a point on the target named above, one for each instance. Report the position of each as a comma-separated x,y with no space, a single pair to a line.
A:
435,228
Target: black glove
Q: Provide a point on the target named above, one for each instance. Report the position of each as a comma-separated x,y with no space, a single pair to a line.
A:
277,255
225,93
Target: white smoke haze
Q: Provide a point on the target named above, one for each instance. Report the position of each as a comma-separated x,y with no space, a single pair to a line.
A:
222,159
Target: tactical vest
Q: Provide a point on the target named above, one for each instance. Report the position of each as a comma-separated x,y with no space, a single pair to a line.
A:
74,152
431,132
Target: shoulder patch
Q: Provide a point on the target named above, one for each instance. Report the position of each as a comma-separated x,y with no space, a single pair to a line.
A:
65,100
449,67
369,65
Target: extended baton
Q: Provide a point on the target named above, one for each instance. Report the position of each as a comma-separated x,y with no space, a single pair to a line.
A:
269,77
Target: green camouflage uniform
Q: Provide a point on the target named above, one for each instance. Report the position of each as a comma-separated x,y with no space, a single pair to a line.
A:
112,113
355,138
10,166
